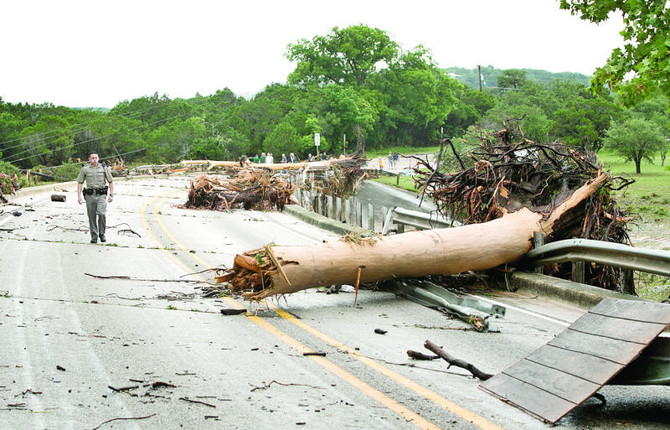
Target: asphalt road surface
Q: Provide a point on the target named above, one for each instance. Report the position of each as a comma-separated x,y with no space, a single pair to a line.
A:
118,335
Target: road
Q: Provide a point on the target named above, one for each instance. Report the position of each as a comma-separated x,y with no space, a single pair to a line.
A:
118,335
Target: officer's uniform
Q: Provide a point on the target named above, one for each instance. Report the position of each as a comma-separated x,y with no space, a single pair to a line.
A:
95,195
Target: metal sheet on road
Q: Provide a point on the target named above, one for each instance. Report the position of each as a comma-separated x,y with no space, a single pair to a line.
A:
546,385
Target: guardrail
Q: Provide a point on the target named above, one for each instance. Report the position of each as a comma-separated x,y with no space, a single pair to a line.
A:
608,253
419,220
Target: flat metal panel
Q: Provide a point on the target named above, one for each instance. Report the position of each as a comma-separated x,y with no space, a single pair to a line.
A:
537,402
610,349
559,376
560,384
595,369
634,310
616,328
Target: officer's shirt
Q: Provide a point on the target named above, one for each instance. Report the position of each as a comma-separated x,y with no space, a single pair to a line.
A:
95,177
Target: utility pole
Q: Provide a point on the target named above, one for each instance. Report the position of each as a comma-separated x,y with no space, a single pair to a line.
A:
479,68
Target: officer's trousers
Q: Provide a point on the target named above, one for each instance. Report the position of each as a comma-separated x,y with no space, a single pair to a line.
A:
96,207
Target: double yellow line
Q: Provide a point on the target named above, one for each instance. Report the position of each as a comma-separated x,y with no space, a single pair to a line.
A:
328,365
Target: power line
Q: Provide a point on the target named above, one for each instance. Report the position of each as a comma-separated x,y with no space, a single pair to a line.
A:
83,126
85,141
13,159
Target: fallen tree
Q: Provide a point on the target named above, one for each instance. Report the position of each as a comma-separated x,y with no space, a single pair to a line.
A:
277,269
506,191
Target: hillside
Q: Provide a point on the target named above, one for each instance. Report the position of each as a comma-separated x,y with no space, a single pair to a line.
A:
490,76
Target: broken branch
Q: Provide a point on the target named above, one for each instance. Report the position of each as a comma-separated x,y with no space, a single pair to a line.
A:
453,361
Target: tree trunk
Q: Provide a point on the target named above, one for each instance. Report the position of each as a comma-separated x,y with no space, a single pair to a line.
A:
475,247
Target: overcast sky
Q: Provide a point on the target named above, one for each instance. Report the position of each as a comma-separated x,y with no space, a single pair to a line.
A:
94,53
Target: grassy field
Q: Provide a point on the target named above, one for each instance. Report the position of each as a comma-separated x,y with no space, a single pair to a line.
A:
649,196
401,150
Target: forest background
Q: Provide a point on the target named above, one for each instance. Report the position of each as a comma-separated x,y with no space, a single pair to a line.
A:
358,90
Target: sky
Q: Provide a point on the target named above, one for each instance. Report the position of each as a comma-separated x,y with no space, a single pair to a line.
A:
97,53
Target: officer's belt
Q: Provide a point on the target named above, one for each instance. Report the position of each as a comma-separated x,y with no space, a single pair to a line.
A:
96,191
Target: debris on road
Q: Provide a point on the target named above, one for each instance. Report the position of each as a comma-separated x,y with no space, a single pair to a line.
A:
416,355
467,309
260,186
186,399
233,311
250,189
453,361
58,197
122,419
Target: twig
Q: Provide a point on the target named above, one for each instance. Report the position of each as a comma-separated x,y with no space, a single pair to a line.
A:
186,399
119,390
129,278
266,386
54,226
121,418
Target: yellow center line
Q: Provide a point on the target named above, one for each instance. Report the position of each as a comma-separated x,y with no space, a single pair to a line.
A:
452,407
373,393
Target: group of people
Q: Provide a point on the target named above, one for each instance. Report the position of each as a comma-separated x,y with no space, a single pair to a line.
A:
392,160
292,158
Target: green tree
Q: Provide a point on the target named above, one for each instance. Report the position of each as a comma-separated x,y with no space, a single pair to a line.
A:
347,112
635,139
512,78
469,109
173,141
656,110
10,128
345,56
646,51
419,96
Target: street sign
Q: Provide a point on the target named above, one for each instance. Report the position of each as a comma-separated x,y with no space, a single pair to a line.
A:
317,139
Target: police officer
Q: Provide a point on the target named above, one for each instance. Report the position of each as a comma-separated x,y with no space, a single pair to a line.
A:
96,177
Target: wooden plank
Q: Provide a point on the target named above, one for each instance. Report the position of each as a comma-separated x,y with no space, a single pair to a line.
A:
542,404
610,349
652,312
589,367
628,330
560,384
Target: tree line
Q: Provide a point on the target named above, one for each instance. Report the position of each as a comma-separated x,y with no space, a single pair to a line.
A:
355,87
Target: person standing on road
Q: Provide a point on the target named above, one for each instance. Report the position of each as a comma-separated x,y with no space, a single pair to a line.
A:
96,177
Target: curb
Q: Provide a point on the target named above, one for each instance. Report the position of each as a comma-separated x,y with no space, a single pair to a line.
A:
581,295
323,222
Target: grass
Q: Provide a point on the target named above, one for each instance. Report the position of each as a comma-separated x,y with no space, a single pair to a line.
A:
407,150
648,196
403,182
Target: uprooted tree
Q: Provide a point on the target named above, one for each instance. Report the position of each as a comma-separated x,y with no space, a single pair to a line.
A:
512,189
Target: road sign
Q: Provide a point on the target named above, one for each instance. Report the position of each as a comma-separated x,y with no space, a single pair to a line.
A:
317,139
